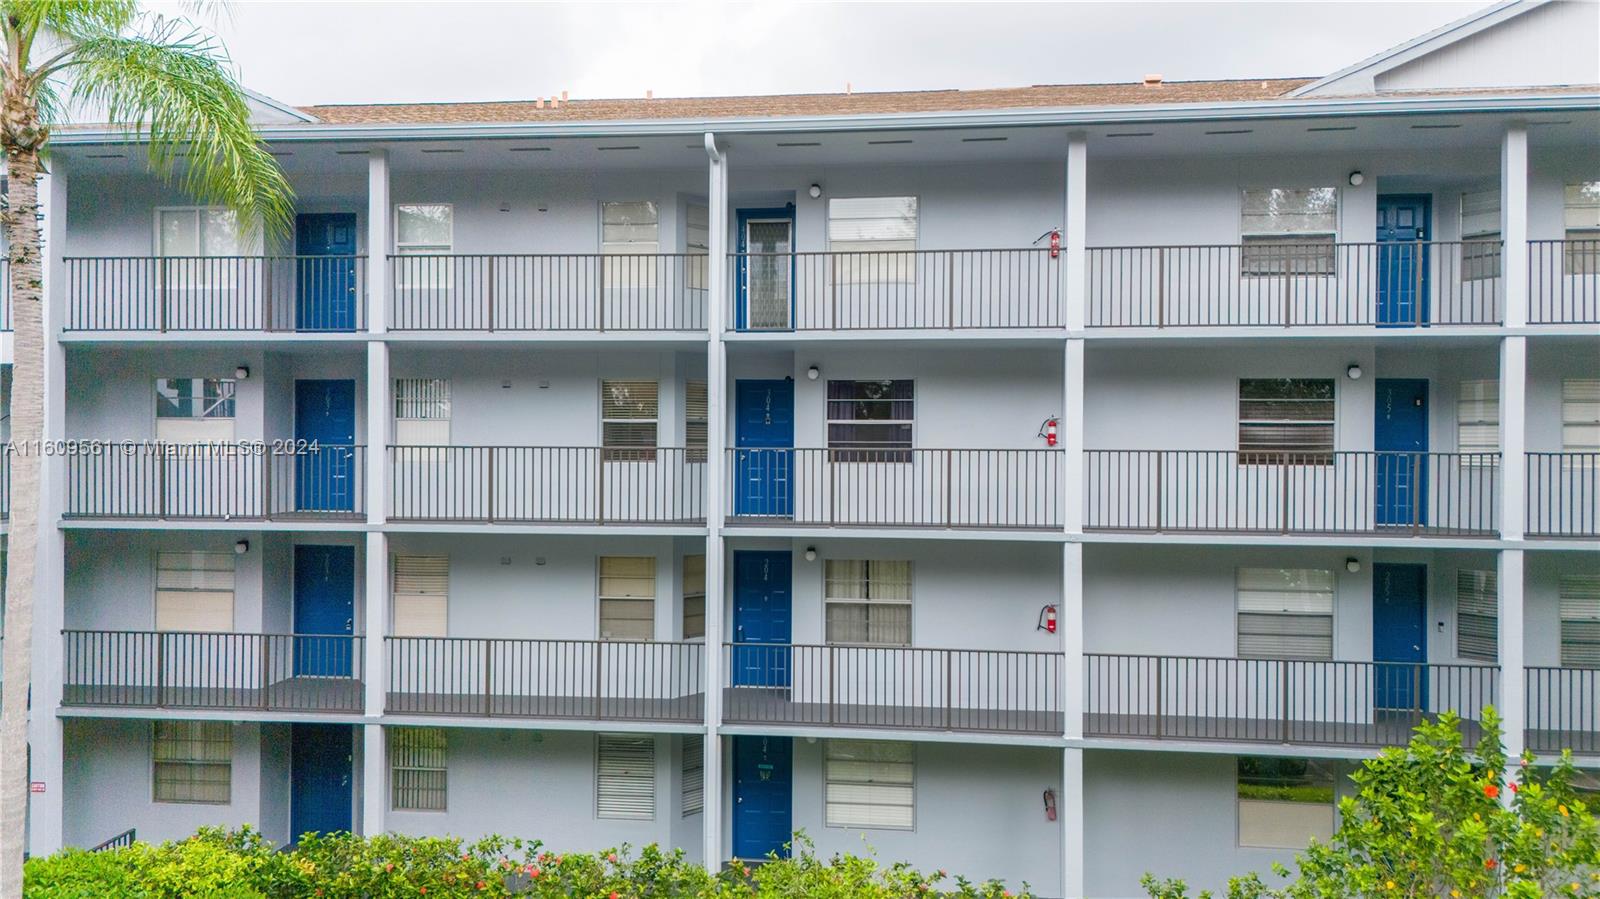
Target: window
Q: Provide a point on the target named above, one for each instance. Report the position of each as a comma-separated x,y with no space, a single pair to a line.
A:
867,602
694,597
1477,615
198,231
1286,420
697,243
694,774
1580,620
629,229
422,411
870,784
870,421
881,232
625,777
1480,233
425,230
194,410
695,420
1289,231
1478,417
628,420
194,591
1285,613
417,772
628,598
1582,204
193,761
421,596
1285,803
1580,415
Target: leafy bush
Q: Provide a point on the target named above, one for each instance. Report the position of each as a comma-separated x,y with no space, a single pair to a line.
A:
1431,820
215,863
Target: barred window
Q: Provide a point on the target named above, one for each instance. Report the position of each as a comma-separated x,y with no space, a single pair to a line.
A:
193,761
625,777
1582,217
1478,417
1285,803
695,420
1580,620
694,771
694,596
1480,234
627,597
870,784
1289,231
1285,613
194,591
874,239
1477,615
867,602
422,411
628,420
1580,416
418,775
194,410
870,421
1286,420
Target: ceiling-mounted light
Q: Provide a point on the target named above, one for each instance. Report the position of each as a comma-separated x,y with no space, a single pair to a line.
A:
1357,179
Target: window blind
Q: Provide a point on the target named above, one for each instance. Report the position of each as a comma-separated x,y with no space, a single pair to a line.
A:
625,777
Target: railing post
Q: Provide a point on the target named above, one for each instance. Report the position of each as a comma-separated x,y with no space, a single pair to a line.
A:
161,479
1283,494
161,669
833,680
267,504
1416,277
600,296
599,667
949,500
265,663
950,289
1288,311
1283,701
488,677
161,293
600,486
949,699
489,509
1159,488
1416,493
1161,287
1161,689
490,290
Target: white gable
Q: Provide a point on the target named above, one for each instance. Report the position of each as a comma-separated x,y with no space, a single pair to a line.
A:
1532,43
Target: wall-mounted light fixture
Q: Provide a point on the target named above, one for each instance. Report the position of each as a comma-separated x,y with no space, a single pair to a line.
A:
242,372
1357,179
1352,565
811,554
815,191
813,373
241,547
1353,372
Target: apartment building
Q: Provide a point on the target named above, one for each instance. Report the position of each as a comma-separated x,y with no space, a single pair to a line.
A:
1054,484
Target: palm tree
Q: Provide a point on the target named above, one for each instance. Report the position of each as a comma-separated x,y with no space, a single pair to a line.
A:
164,79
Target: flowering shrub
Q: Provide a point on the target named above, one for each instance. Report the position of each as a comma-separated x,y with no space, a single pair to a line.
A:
242,865
1430,820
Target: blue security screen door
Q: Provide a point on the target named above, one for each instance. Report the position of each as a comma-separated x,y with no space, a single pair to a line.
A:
324,610
765,269
763,796
319,778
325,467
761,611
1403,260
764,437
326,292
1400,436
1399,636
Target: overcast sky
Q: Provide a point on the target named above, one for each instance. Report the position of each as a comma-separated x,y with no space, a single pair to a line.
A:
343,52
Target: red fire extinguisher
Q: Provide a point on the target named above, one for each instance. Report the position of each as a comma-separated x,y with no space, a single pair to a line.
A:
1055,244
1047,619
1049,805
1048,431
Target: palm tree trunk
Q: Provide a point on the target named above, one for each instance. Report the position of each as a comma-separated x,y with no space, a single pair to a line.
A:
21,223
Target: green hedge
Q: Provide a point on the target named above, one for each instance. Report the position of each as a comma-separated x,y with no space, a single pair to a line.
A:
241,865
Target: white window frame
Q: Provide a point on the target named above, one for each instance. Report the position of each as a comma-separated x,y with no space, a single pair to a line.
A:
423,249
1469,391
1480,225
618,270
1472,586
439,765
400,624
867,785
1324,830
689,594
889,260
602,599
1265,251
696,447
197,575
228,393
1580,409
1579,601
630,452
698,253
219,733
422,411
859,452
248,245
869,602
1299,582
437,276
601,744
1581,228
1307,454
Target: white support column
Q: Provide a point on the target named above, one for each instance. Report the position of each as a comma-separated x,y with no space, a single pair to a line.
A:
1074,242
46,740
1071,433
1069,812
1513,436
1512,700
379,221
1514,223
380,404
716,425
374,779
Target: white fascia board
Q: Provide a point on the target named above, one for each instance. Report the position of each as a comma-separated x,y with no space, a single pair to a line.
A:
1004,118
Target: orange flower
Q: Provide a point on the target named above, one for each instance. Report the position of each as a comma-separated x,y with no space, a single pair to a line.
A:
1513,786
481,884
1490,863
612,858
1491,791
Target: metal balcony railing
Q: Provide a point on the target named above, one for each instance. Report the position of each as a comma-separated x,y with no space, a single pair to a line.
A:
234,671
557,484
1563,709
216,293
994,691
596,680
1564,282
1563,495
1221,491
916,488
1277,700
895,290
242,481
1296,284
549,292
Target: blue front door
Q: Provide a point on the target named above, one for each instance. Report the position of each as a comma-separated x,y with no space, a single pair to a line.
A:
765,269
319,778
764,436
763,796
325,459
761,603
1399,636
1400,437
1403,260
326,292
324,610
